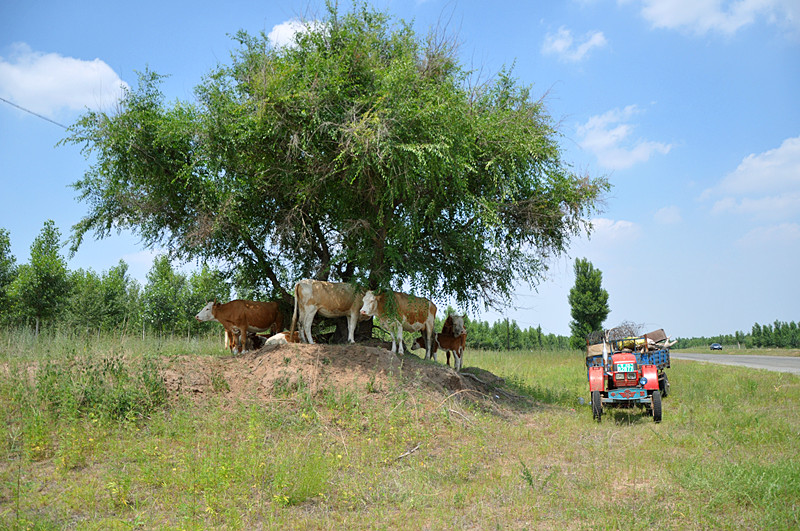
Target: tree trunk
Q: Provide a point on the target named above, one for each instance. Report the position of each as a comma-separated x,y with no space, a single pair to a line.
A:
363,331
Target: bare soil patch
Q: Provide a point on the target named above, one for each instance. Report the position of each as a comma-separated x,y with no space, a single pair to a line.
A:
274,370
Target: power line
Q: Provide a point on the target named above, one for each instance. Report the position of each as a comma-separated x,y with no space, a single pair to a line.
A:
33,113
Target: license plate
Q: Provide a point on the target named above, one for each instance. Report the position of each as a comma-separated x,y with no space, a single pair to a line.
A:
625,367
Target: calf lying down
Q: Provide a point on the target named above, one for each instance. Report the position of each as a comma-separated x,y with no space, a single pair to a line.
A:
454,344
284,338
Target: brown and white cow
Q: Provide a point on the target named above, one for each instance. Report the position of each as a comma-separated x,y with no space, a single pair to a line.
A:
407,313
448,343
329,299
241,316
454,325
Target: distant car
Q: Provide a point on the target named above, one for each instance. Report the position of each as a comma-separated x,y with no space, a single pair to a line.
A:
716,346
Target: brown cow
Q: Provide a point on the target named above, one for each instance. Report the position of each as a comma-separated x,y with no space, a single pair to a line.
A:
448,343
240,316
330,299
409,313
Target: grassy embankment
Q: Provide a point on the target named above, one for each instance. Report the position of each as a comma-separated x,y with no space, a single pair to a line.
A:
95,444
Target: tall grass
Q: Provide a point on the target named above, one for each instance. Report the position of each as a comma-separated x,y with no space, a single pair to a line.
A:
725,455
21,344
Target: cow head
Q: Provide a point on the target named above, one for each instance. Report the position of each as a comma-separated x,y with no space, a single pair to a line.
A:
370,306
418,343
207,313
457,323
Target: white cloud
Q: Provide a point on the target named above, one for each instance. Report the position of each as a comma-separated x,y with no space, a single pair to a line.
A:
608,232
704,16
764,185
564,46
771,207
786,235
48,83
776,170
283,34
670,215
607,137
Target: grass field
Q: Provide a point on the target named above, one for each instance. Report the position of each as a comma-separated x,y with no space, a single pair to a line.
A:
90,440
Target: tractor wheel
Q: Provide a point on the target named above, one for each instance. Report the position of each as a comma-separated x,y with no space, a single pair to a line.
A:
597,406
663,385
656,406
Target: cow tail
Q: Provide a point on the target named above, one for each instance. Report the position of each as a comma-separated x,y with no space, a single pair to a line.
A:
294,314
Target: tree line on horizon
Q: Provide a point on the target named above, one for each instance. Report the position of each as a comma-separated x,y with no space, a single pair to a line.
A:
779,334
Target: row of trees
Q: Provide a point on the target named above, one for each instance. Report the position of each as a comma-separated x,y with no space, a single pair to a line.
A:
507,335
44,292
777,335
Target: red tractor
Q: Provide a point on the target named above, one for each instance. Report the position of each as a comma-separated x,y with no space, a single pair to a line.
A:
629,373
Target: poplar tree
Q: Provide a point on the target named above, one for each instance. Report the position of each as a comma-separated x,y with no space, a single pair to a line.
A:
588,301
41,287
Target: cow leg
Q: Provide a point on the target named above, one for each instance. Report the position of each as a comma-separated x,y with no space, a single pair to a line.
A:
240,340
308,318
234,340
243,344
301,327
393,333
430,354
394,345
400,337
352,321
230,339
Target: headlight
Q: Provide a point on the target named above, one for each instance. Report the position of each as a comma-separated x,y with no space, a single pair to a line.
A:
642,381
620,376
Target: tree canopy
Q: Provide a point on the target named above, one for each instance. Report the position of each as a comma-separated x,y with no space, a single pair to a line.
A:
360,153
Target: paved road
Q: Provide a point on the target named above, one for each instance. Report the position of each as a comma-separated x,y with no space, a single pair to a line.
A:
770,363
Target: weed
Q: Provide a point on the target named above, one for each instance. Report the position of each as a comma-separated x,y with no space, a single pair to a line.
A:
527,475
75,447
299,473
372,387
219,383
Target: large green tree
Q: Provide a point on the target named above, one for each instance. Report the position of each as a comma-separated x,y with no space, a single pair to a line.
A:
362,152
588,302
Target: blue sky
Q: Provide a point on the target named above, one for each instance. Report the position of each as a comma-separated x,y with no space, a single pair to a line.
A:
691,108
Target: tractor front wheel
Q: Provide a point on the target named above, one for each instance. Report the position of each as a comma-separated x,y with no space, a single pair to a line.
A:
656,406
597,406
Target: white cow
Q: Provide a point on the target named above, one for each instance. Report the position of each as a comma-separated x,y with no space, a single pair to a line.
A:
330,299
409,313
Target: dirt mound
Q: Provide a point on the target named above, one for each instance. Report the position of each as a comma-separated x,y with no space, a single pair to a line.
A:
275,370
